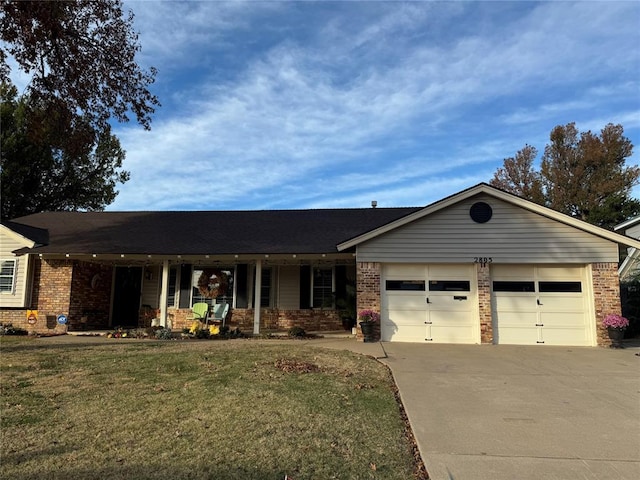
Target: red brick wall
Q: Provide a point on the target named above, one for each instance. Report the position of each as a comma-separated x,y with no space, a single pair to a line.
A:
270,319
483,275
90,296
368,290
606,293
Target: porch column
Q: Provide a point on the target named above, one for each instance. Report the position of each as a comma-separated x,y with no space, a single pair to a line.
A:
256,298
164,293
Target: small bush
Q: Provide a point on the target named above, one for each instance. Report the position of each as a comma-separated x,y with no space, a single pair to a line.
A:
296,332
9,329
164,334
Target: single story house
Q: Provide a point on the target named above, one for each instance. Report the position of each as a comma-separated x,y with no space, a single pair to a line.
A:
480,266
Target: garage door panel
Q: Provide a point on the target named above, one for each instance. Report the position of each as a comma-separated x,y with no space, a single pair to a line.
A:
568,319
406,302
566,336
452,333
561,304
518,319
515,303
518,334
551,309
407,333
441,312
406,317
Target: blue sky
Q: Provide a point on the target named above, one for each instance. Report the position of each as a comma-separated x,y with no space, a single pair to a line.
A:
272,105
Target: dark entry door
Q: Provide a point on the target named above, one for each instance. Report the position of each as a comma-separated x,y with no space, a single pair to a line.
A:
126,296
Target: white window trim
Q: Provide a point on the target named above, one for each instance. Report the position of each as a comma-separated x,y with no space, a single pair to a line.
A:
14,276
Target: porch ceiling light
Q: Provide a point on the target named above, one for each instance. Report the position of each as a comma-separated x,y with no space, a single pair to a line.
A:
122,255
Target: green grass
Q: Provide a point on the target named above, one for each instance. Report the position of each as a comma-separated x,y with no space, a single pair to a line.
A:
198,410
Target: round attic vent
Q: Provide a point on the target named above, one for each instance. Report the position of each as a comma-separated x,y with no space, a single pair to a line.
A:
480,212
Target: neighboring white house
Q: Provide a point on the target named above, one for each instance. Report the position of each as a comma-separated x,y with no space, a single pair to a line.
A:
630,266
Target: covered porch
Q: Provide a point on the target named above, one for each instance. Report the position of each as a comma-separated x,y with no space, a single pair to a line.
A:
264,292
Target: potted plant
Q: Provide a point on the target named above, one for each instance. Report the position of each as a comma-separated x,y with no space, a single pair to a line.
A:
368,318
615,325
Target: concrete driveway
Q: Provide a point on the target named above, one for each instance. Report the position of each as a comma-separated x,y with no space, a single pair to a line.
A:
518,412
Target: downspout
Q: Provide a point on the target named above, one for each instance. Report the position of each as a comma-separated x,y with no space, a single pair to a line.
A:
164,293
256,298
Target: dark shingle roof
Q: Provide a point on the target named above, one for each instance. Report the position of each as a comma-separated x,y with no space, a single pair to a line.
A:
205,232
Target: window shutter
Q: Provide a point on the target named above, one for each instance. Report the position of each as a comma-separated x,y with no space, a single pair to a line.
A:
185,286
305,287
242,299
341,283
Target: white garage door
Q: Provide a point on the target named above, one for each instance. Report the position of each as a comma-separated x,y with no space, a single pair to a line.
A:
429,303
540,305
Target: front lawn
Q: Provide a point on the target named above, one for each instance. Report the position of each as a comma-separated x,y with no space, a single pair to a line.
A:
196,409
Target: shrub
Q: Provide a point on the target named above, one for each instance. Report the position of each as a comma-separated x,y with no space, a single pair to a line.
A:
296,332
9,329
164,334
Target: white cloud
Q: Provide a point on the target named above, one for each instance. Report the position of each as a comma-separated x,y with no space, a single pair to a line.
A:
382,102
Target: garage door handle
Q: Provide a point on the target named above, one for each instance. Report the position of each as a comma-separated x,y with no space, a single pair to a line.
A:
428,300
428,323
539,324
538,301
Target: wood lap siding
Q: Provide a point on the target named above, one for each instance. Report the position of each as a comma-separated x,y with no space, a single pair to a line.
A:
17,298
513,235
289,287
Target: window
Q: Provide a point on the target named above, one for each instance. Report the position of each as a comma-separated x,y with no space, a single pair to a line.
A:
322,288
265,288
557,287
413,285
173,281
513,286
449,286
212,285
7,275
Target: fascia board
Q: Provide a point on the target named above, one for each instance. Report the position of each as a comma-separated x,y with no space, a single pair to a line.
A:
27,242
627,224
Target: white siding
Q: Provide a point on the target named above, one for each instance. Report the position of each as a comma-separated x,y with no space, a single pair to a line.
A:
151,286
513,235
289,287
633,232
18,297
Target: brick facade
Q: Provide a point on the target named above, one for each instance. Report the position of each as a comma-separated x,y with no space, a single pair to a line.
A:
270,319
65,287
368,291
483,276
606,295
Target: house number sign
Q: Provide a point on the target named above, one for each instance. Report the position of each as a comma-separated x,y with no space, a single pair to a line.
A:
483,260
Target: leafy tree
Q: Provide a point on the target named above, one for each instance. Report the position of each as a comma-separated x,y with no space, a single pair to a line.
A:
518,176
581,174
81,56
38,173
58,152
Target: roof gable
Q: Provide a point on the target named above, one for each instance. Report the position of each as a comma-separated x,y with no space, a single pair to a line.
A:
501,195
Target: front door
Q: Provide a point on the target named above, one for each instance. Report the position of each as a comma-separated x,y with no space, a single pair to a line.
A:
126,296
